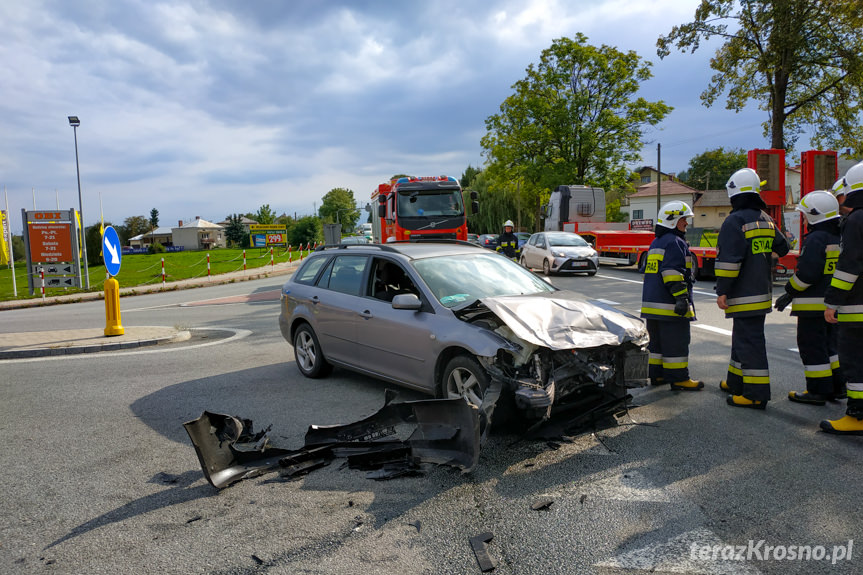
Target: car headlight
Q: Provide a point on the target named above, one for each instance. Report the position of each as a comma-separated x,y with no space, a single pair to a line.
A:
558,254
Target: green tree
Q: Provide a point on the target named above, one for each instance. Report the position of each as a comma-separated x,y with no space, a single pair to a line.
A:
574,119
801,60
469,175
235,233
18,252
132,226
339,206
265,215
154,218
306,230
713,168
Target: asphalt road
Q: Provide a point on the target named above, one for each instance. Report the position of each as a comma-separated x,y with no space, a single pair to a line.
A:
100,476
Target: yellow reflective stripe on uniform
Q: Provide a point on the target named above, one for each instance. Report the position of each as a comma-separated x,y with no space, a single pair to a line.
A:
855,394
850,317
681,292
759,233
855,390
820,370
748,307
675,362
797,283
843,280
726,273
671,278
808,304
726,269
759,376
735,369
654,359
834,362
665,312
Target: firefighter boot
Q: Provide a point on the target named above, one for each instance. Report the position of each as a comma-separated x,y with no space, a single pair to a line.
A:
688,385
809,398
740,401
723,385
657,381
847,425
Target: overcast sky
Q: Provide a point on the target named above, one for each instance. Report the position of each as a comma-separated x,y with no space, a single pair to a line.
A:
210,107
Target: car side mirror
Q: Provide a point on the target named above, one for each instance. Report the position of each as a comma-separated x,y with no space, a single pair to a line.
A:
407,301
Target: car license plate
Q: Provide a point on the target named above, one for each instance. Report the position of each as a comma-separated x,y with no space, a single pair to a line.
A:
579,264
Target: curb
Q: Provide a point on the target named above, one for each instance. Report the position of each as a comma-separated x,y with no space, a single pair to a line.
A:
180,336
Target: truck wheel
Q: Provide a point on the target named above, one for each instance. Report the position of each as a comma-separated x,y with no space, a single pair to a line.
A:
464,377
308,355
696,270
642,262
546,268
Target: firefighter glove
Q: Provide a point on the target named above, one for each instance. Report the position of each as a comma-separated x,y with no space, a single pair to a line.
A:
783,301
681,305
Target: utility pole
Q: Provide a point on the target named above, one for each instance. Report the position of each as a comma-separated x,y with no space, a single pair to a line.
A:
658,180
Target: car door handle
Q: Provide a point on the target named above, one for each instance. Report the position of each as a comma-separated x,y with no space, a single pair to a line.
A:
366,314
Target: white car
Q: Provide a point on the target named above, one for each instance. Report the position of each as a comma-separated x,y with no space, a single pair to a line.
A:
559,252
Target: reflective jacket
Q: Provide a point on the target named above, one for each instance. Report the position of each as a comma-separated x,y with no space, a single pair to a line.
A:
744,261
508,244
667,275
815,266
845,293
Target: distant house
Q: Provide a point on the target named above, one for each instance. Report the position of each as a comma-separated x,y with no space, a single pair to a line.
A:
244,220
642,204
160,235
199,235
711,207
649,174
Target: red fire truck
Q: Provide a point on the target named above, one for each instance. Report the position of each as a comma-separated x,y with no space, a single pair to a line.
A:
412,209
581,209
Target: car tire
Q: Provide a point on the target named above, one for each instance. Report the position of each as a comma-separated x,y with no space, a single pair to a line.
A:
546,268
523,263
464,377
642,262
591,274
308,355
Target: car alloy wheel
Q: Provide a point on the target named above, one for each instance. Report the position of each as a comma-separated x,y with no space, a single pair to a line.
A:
546,267
465,378
307,353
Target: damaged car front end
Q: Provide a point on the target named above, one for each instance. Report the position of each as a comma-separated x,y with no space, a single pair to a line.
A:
564,351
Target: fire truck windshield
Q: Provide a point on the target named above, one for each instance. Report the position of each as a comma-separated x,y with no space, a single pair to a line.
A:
422,203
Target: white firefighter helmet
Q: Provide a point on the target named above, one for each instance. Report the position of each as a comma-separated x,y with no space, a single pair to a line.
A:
818,206
508,223
744,181
672,212
853,180
839,187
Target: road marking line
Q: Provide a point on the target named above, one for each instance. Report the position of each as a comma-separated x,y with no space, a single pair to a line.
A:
608,301
699,292
713,329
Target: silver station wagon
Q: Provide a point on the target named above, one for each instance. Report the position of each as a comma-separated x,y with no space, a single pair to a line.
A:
455,320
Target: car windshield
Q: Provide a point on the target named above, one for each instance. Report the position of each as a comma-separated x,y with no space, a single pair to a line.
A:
566,240
455,280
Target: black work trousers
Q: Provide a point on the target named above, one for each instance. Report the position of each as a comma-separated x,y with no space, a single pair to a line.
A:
748,373
817,342
668,349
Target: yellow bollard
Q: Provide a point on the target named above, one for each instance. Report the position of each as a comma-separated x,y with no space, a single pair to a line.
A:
112,308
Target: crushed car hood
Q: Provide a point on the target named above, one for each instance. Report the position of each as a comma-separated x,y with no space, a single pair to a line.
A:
560,320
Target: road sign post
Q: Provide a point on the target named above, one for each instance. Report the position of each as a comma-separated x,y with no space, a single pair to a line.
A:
112,254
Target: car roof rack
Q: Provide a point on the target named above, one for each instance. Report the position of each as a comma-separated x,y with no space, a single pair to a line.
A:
383,247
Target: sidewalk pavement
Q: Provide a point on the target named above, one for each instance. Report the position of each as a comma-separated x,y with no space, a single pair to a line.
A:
90,340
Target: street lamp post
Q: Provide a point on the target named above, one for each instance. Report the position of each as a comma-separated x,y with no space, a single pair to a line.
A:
75,122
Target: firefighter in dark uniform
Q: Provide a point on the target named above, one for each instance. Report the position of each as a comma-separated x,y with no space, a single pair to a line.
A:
816,338
844,301
666,300
747,241
507,242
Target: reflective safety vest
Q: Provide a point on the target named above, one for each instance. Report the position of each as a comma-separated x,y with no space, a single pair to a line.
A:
667,275
744,261
845,293
815,267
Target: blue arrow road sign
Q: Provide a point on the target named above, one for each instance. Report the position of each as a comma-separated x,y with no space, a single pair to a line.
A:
111,251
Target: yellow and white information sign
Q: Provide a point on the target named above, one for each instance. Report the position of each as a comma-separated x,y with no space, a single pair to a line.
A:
5,247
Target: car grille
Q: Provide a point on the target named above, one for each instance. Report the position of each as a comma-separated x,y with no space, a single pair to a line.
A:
576,265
